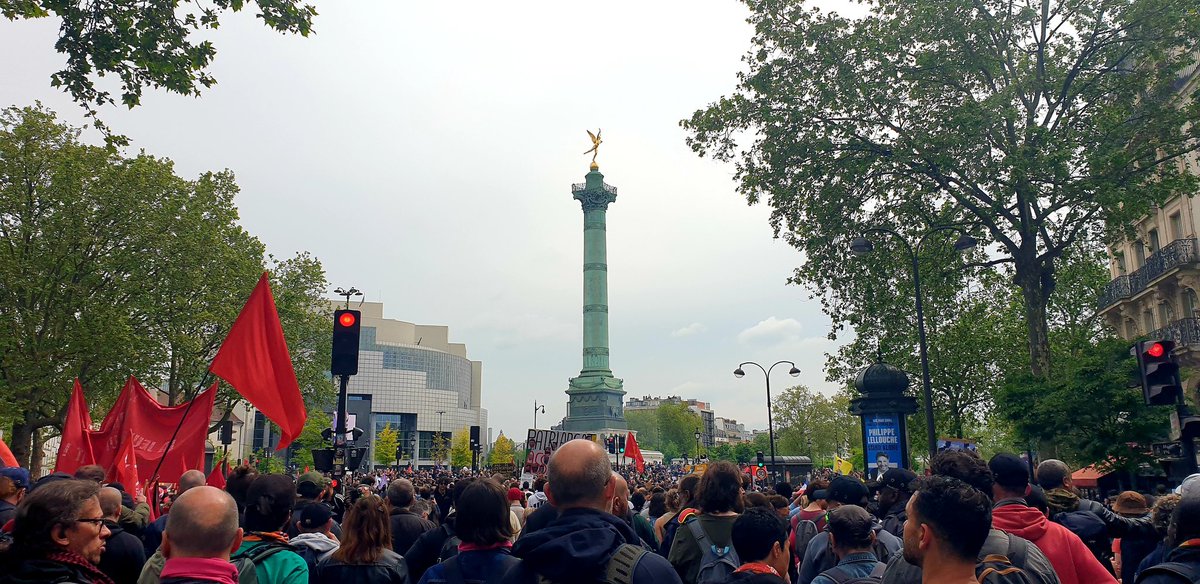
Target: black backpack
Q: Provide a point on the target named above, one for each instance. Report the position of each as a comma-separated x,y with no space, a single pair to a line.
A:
620,568
450,545
453,571
1178,570
839,576
309,554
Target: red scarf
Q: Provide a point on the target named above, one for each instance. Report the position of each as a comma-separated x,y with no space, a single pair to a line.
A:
474,547
207,569
757,568
87,568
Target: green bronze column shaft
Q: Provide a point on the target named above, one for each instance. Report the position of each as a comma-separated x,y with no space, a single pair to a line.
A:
595,276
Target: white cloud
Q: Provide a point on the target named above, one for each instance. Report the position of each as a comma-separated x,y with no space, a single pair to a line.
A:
772,331
691,329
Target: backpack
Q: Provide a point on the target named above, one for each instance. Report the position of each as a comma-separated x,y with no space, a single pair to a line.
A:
620,568
310,555
716,564
1091,529
1181,571
450,545
839,576
247,562
1006,569
805,531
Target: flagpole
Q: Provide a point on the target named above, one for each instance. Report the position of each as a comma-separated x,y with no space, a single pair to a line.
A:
174,435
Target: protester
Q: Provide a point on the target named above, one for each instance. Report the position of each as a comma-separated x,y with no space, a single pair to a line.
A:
621,508
851,537
818,556
1182,563
1160,515
894,490
1132,550
237,484
58,535
760,540
539,496
1072,561
152,535
406,525
719,501
436,545
312,488
14,484
584,542
517,503
123,554
948,522
484,528
315,539
688,487
268,510
201,533
365,555
655,508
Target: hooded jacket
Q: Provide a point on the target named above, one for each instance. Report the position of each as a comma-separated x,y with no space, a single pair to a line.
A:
123,555
316,542
1186,554
576,547
1071,559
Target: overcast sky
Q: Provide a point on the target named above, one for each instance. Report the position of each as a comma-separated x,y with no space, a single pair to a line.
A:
424,151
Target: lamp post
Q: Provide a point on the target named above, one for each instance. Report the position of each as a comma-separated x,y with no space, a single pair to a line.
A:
697,445
861,246
738,373
537,407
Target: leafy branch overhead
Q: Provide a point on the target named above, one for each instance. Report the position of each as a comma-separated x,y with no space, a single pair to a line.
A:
144,44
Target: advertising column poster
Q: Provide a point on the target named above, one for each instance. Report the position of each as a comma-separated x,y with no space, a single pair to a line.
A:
882,449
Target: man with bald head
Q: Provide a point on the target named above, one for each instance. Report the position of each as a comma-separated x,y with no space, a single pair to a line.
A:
585,543
621,508
202,532
123,555
153,534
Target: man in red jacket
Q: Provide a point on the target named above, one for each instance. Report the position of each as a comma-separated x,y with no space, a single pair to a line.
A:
1071,559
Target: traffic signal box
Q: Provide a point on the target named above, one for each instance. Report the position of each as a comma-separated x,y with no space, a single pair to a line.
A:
346,327
1159,372
621,444
762,461
610,444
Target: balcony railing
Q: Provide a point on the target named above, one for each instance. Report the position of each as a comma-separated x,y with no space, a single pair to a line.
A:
1185,331
1175,254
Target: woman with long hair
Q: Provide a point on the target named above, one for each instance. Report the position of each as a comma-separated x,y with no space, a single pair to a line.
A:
484,527
365,556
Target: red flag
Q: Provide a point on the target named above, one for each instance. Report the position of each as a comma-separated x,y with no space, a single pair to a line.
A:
216,478
254,359
6,455
127,468
149,427
632,451
75,450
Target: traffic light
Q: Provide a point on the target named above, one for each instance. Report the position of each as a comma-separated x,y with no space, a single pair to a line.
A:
621,444
762,461
611,444
1159,372
346,327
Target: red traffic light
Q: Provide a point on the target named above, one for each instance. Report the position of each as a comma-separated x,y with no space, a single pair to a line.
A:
347,319
1155,350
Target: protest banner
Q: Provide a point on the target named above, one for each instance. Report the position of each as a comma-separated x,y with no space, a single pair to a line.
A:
542,443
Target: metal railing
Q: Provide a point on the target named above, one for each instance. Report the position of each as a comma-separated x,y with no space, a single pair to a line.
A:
1185,331
1175,254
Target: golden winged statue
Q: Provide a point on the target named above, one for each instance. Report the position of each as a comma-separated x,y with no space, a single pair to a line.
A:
596,141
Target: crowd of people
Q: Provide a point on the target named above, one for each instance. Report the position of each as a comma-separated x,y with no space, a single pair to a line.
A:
969,520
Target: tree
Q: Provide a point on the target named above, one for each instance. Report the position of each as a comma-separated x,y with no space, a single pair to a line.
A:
387,442
441,447
310,438
670,428
460,448
812,424
144,45
502,452
1062,411
1040,125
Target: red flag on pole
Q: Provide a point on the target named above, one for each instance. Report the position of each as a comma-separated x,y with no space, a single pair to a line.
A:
127,467
254,359
75,449
6,455
632,451
216,478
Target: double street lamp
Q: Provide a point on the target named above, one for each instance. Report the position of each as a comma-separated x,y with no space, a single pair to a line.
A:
738,373
861,246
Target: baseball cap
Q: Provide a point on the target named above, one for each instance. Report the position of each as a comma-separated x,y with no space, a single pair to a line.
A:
515,494
1009,471
314,516
1190,487
310,484
16,474
847,491
899,479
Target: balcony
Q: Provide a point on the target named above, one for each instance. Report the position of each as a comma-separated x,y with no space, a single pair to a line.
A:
1185,331
1178,253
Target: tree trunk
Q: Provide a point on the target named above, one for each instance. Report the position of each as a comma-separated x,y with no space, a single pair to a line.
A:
1036,283
21,441
37,454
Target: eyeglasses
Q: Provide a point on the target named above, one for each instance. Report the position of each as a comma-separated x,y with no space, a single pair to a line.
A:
99,521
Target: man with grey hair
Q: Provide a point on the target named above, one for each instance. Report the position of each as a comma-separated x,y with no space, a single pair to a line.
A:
123,555
585,543
152,536
202,532
407,526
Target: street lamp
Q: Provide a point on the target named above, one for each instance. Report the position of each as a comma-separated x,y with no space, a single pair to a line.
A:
861,246
536,408
697,445
738,373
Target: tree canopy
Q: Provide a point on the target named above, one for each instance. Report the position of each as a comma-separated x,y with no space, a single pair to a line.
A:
669,428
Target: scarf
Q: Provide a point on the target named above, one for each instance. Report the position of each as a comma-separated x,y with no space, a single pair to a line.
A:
474,547
1061,500
275,536
85,567
207,569
757,568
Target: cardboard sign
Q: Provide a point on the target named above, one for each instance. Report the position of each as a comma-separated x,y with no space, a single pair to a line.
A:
542,443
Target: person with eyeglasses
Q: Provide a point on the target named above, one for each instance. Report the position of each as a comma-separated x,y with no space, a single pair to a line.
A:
59,534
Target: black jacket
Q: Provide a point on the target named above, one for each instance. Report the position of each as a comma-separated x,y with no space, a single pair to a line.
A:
123,556
425,551
390,569
576,548
406,528
39,571
1189,556
1118,526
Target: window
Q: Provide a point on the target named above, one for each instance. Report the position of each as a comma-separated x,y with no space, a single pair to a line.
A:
1120,261
1166,313
1176,226
1139,254
1154,241
1190,303
1148,321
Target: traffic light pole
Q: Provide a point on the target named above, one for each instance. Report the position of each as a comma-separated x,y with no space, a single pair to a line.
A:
339,430
1187,443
